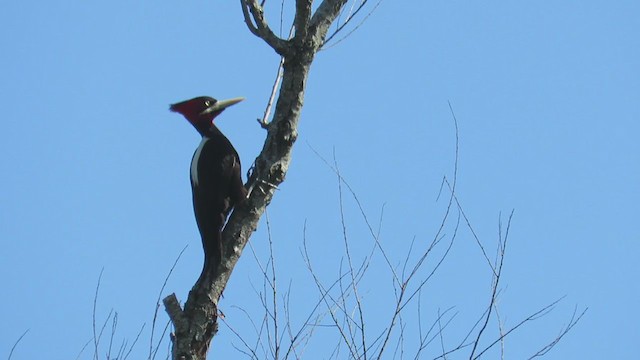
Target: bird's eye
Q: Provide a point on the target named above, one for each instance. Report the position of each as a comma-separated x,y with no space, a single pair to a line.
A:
207,103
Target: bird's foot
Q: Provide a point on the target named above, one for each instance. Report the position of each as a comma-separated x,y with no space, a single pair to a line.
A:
264,123
268,184
253,186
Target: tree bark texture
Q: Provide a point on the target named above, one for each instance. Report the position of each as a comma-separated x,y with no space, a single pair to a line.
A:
196,324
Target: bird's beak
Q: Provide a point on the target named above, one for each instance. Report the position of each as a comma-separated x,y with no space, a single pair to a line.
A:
221,105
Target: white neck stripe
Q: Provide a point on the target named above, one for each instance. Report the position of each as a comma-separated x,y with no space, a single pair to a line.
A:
195,160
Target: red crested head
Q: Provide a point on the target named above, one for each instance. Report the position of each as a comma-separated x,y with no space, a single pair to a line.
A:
202,110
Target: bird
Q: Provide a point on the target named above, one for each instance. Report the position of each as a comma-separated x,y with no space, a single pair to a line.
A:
216,181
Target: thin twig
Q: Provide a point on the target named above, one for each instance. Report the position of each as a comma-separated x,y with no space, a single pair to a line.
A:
152,351
104,325
435,268
536,315
135,341
114,326
83,348
572,322
274,287
440,335
425,340
500,330
473,232
237,334
364,19
15,344
255,329
95,302
438,235
362,213
264,122
349,19
324,295
353,284
495,284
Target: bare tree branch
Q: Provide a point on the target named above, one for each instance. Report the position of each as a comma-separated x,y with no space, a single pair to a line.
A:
375,234
322,19
84,347
196,323
15,344
500,329
254,18
572,322
114,326
251,352
330,306
135,341
95,301
301,21
352,13
495,282
152,351
353,283
269,170
542,312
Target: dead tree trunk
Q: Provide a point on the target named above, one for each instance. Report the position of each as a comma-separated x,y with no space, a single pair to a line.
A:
196,324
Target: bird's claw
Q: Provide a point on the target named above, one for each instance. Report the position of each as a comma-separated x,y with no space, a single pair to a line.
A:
263,123
261,190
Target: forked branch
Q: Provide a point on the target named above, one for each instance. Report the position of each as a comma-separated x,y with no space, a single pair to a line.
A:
196,324
254,18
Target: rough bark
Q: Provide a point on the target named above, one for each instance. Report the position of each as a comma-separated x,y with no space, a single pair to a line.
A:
196,324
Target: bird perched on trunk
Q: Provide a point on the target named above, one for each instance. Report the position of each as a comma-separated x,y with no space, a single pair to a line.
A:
216,180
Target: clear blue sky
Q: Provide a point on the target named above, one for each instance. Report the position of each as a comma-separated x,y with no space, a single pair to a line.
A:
95,168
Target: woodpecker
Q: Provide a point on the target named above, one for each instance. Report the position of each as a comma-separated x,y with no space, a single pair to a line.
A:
216,181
